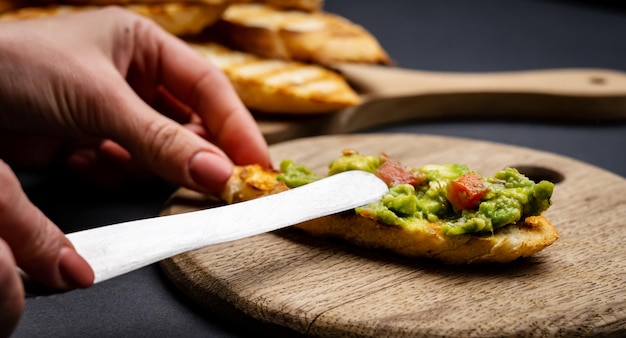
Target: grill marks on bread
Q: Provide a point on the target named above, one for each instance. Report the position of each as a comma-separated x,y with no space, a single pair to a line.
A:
318,37
179,19
280,86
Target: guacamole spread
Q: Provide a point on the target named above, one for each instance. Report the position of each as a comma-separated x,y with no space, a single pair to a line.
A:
458,199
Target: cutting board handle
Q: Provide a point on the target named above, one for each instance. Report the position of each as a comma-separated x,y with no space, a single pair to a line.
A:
395,95
383,81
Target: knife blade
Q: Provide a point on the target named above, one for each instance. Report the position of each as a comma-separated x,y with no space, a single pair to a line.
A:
116,249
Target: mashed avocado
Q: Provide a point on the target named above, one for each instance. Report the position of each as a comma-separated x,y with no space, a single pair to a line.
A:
505,198
354,161
295,175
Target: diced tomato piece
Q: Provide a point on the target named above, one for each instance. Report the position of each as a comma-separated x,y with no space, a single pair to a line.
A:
466,191
393,173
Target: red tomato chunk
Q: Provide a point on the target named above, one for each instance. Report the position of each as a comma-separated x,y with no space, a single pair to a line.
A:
466,191
393,173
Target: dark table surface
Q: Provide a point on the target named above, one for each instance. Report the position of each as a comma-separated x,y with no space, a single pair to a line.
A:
459,36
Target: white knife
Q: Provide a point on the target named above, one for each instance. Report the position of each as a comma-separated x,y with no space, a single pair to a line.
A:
120,248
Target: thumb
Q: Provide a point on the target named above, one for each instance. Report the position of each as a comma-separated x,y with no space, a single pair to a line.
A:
39,247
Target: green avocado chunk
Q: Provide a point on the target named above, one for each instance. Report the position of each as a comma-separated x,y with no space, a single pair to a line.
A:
295,175
510,196
354,162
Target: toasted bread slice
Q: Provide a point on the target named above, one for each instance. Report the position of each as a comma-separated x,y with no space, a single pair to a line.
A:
521,239
181,18
277,86
250,182
40,12
303,5
317,37
40,3
177,18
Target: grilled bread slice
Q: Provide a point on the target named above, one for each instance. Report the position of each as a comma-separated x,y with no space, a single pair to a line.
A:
278,86
303,5
422,239
317,37
40,3
177,18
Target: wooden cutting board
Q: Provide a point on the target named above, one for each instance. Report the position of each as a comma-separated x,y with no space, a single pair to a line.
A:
393,94
576,287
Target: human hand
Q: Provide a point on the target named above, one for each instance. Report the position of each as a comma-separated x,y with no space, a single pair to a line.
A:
90,81
102,83
28,239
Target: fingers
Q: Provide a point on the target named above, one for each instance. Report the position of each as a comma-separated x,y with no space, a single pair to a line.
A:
169,106
11,292
223,114
159,65
102,81
39,247
205,89
104,163
176,153
166,147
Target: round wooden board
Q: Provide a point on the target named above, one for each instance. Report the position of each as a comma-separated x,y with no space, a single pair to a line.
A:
576,287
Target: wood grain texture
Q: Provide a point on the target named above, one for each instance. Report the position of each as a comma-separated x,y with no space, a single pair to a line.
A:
576,287
392,95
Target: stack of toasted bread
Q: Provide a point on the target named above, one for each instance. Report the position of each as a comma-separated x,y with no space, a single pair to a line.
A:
275,52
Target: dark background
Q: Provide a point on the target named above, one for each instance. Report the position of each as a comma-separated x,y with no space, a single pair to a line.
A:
446,36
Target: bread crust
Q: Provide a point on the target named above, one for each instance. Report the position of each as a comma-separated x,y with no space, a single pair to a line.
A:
42,3
277,86
181,19
176,18
317,37
522,239
303,5
250,182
